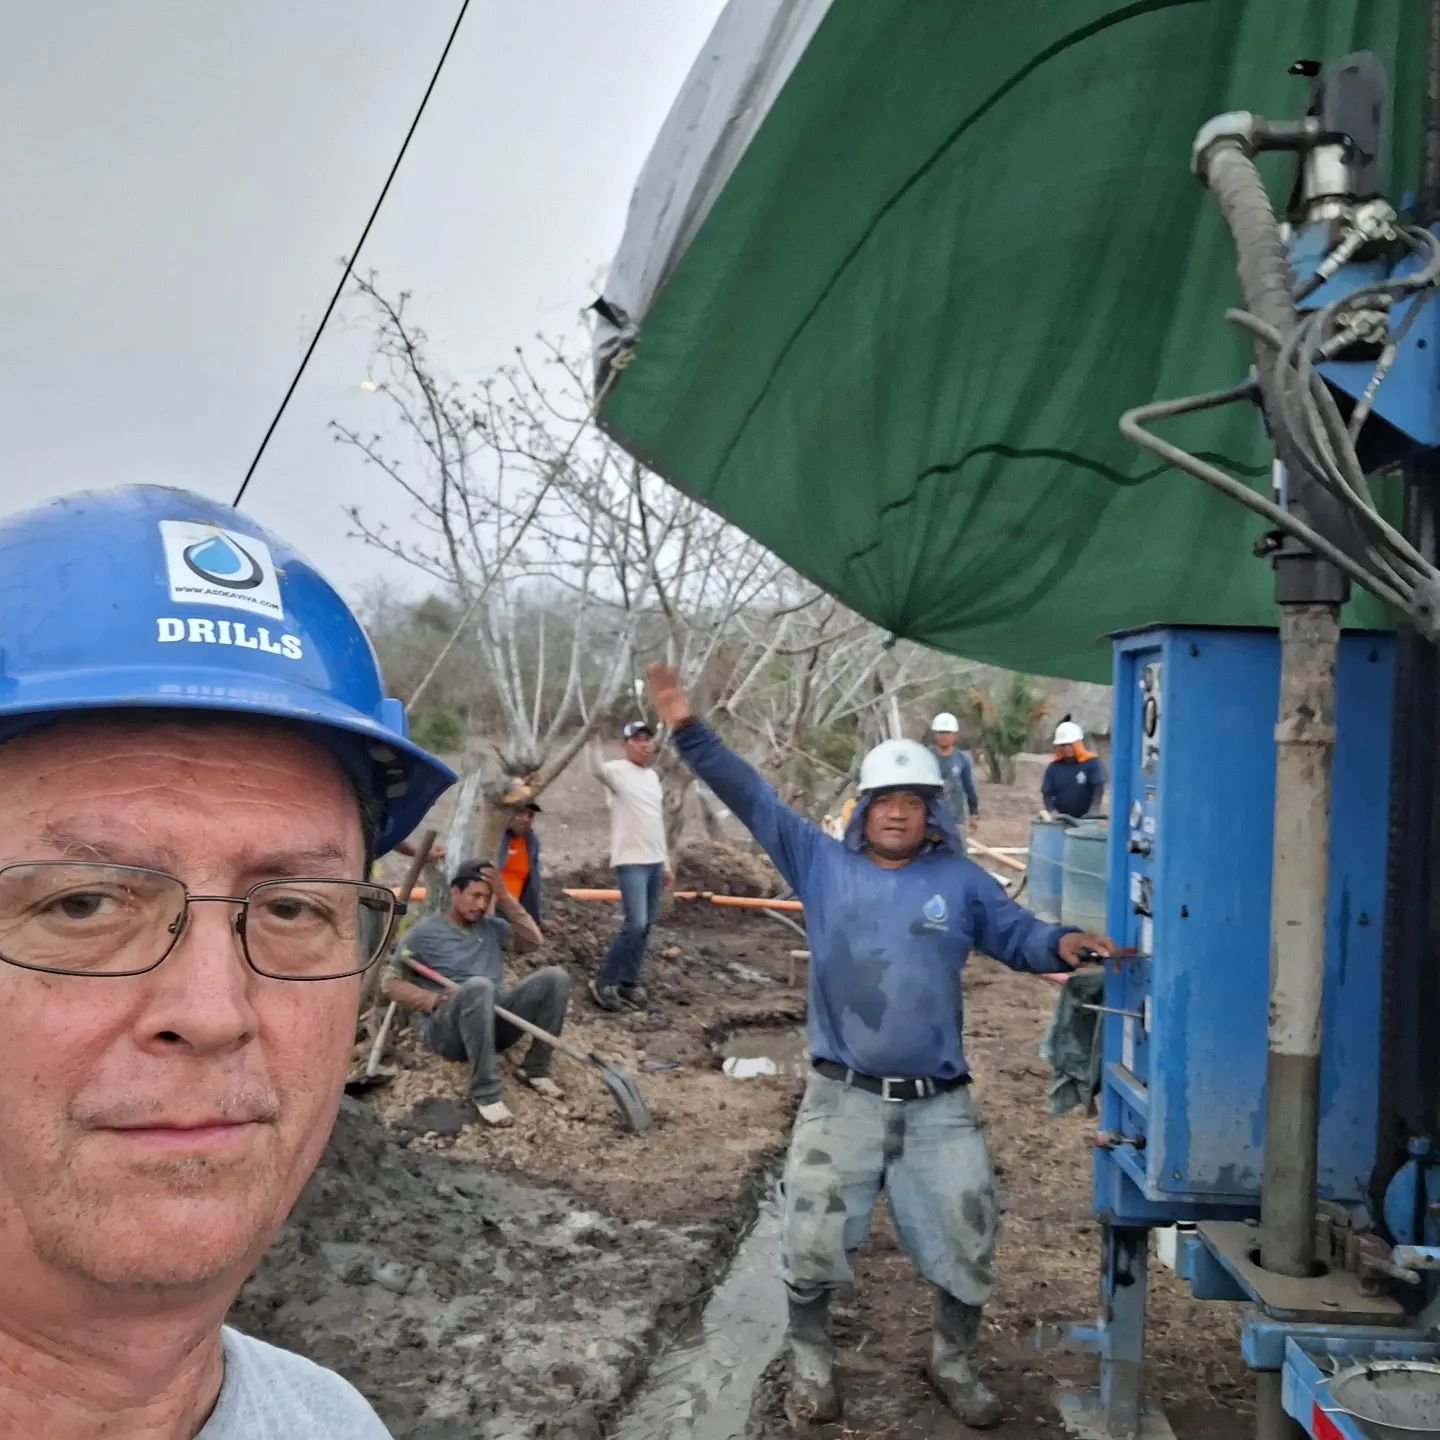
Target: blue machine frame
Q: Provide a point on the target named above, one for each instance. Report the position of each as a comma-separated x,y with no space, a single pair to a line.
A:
1182,1104
1183,1079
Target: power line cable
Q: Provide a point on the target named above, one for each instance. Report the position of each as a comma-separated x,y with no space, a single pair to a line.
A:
350,262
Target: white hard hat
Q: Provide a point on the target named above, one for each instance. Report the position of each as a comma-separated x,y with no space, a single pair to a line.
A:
945,724
1067,732
900,765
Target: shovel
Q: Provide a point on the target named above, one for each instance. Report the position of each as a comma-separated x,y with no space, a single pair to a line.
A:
370,1076
618,1081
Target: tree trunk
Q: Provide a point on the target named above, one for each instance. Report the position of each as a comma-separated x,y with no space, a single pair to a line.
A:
459,838
712,813
677,787
490,826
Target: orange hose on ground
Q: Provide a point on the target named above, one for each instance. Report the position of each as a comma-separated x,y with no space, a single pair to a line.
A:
747,902
735,902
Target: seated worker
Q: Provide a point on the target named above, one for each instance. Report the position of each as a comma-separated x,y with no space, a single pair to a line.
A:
466,944
1074,782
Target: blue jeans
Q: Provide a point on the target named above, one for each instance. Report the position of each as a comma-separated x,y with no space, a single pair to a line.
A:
930,1159
641,887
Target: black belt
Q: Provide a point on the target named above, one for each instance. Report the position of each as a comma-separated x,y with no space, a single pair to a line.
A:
889,1088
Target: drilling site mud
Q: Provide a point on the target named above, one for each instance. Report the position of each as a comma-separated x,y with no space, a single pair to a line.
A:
566,1279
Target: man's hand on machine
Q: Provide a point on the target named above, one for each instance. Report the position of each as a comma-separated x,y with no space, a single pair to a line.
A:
1081,948
668,696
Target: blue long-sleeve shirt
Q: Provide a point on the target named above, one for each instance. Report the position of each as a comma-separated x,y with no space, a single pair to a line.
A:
1074,787
887,947
959,776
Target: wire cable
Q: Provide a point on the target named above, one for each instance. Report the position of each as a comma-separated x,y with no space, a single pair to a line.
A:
354,253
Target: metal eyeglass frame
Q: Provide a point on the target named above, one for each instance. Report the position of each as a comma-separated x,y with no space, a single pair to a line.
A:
181,923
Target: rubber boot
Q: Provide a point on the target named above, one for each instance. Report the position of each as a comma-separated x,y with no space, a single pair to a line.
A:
952,1369
812,1398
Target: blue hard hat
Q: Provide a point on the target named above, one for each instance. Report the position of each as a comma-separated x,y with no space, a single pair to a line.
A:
146,597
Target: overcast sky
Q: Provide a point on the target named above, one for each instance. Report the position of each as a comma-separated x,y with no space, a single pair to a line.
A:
181,179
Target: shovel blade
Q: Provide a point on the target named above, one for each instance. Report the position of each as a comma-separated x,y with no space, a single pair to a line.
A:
634,1114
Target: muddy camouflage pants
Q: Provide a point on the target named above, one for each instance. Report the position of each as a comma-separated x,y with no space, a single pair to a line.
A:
930,1159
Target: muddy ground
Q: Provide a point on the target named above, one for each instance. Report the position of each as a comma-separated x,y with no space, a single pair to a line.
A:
518,1283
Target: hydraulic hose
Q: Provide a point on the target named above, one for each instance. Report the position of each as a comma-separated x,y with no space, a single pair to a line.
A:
1264,269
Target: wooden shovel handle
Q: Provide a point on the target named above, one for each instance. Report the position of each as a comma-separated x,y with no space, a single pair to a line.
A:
507,1016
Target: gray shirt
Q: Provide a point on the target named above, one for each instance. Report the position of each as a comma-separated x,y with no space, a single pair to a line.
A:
270,1394
459,953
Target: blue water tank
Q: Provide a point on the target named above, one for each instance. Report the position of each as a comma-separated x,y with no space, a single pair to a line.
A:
1046,877
1084,890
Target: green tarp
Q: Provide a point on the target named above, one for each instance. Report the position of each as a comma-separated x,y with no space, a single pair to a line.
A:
961,241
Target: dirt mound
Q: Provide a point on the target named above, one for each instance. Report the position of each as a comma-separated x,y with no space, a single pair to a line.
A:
726,870
595,876
577,933
463,1301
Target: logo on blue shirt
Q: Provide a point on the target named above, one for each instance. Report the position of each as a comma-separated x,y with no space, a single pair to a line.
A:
936,913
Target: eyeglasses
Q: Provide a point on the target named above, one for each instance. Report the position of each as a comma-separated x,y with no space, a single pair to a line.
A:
89,919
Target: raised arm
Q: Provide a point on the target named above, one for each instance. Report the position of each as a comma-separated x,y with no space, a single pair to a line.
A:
524,932
596,761
787,838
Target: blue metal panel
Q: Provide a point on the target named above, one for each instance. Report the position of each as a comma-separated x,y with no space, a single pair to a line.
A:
1409,398
1190,858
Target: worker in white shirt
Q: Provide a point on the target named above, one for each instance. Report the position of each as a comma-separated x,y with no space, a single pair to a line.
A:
640,857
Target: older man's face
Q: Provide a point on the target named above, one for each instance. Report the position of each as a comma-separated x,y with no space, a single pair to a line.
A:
157,1128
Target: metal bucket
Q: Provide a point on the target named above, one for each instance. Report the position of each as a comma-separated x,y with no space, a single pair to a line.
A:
1046,870
1391,1399
1083,893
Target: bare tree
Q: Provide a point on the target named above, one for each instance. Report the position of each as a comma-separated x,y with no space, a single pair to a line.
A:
562,566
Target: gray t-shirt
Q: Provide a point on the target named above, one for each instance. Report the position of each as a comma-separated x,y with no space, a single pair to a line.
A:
476,952
270,1394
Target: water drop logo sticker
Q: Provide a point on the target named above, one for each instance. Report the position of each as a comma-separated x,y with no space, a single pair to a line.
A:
935,910
223,560
208,565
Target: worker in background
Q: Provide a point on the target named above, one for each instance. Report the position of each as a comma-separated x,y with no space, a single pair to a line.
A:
893,912
519,861
958,774
466,944
197,764
1074,783
640,857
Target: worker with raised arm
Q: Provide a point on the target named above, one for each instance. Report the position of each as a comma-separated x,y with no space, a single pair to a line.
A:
958,775
893,911
466,944
1074,781
639,855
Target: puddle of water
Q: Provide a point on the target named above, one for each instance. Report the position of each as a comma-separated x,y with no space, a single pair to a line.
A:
750,975
702,1388
765,1050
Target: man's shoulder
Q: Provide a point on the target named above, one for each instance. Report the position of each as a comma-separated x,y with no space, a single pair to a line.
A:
426,928
269,1392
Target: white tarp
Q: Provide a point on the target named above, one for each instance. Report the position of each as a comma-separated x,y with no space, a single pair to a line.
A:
746,61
